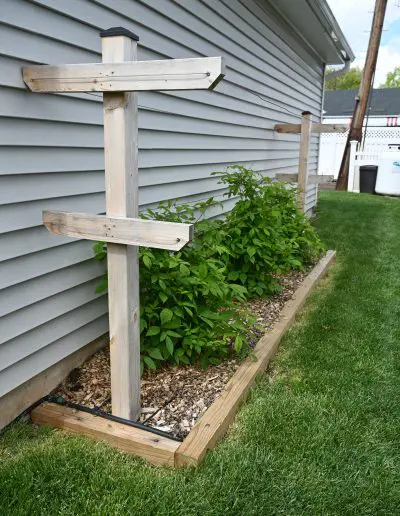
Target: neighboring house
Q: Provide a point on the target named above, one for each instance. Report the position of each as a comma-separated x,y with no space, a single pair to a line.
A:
52,147
381,125
383,107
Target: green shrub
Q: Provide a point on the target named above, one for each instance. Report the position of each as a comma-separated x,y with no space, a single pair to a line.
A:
265,234
189,299
188,308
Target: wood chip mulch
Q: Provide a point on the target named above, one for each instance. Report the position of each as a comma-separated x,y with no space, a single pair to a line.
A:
174,397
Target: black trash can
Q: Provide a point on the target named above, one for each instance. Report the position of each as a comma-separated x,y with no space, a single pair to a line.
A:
368,175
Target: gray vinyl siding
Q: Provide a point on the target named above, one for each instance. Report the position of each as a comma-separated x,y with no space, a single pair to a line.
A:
51,146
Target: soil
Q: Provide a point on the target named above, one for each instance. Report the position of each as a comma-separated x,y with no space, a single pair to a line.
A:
174,397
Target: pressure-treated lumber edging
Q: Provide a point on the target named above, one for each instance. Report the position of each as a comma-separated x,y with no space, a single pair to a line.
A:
216,420
154,448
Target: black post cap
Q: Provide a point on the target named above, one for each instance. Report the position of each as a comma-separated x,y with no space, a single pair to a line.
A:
118,31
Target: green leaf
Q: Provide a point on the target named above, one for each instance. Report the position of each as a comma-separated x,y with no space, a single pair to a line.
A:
172,333
155,353
188,311
184,270
215,316
100,256
238,343
207,321
233,275
172,325
153,330
149,362
147,261
170,345
163,297
102,286
203,269
166,315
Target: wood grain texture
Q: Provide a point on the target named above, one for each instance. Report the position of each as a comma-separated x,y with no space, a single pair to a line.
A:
312,179
122,192
316,128
302,181
21,398
109,76
217,419
329,128
287,128
119,230
154,448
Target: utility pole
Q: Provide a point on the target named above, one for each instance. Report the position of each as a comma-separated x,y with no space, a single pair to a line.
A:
356,125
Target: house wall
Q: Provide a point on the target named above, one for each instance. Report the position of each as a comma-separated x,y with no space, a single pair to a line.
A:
51,153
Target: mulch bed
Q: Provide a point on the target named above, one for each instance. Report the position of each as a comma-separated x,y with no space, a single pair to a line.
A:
174,397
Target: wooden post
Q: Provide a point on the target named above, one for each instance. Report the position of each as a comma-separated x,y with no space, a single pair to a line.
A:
303,161
121,180
119,74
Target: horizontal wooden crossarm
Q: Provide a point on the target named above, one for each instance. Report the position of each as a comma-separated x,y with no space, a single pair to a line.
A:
287,128
312,179
315,128
120,230
329,128
168,74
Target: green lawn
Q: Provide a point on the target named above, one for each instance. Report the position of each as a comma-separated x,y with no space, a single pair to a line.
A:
320,436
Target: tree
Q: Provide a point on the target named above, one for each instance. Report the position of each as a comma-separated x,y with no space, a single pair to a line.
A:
349,81
392,79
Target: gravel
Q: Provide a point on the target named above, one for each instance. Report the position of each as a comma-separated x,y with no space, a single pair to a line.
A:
174,397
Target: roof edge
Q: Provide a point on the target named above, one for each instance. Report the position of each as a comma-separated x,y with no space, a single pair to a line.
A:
327,18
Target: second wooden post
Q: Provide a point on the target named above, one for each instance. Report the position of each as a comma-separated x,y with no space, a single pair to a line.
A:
305,135
121,179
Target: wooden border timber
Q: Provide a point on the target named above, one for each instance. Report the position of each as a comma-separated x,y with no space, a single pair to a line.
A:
154,448
19,399
216,420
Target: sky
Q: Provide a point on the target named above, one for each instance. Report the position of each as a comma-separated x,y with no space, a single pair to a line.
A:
355,18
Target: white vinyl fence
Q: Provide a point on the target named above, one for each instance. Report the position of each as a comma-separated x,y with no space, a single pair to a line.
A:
376,141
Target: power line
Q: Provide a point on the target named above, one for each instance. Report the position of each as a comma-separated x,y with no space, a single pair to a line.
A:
267,100
253,92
